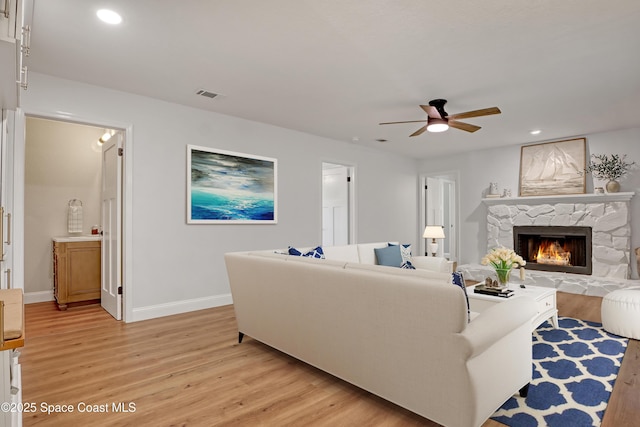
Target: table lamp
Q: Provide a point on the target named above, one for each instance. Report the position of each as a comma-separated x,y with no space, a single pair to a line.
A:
433,232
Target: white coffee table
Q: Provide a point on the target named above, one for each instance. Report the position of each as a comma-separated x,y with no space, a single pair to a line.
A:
545,297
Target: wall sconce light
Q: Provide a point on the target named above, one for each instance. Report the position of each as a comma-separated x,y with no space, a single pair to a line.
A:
433,232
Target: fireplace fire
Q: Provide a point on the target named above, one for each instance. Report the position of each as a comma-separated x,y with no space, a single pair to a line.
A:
554,248
552,253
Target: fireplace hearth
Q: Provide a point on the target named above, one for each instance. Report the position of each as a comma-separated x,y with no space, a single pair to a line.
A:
554,248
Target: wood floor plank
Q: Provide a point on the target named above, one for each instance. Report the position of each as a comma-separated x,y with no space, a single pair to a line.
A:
189,370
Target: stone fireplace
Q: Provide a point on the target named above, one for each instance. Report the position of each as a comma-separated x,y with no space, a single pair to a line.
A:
606,215
568,221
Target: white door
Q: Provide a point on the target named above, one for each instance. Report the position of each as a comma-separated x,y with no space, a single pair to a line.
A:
335,204
111,294
441,209
6,201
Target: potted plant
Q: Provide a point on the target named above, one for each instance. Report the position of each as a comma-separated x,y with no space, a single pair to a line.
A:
609,167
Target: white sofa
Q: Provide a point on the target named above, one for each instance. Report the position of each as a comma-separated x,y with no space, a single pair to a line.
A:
400,334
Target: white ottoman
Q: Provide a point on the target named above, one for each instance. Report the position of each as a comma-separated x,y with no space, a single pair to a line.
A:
621,313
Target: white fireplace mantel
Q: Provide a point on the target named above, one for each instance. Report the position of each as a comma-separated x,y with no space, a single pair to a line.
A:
564,198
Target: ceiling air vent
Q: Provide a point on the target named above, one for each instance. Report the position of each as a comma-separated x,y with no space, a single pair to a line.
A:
206,93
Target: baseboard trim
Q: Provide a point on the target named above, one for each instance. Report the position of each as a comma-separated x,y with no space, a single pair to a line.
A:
178,307
42,296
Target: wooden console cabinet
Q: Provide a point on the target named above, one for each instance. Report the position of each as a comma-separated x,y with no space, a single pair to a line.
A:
76,270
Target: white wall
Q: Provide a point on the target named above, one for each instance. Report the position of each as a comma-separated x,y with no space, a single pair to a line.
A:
502,165
62,163
177,267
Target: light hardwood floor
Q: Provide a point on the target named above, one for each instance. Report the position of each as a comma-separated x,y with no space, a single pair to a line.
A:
188,370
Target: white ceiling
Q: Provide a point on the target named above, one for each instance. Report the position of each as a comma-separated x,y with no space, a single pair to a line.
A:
336,68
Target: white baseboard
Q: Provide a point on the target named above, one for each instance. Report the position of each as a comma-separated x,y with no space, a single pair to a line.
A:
178,307
42,296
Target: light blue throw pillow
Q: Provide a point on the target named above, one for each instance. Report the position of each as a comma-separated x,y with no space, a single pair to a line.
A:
389,256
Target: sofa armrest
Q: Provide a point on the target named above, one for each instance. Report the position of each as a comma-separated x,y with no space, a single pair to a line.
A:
497,322
432,263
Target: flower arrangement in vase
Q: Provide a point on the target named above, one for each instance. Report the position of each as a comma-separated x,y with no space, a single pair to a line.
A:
610,168
503,260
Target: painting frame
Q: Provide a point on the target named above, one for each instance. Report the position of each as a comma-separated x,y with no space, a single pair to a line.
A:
228,187
553,168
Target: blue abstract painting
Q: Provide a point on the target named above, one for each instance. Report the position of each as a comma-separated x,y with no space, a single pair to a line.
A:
228,187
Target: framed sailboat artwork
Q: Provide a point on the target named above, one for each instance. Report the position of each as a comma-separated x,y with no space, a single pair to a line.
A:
553,168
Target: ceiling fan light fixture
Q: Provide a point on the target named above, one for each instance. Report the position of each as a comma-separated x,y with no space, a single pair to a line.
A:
437,125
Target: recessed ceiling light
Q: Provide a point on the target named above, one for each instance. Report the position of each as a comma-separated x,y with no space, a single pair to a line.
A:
109,16
535,132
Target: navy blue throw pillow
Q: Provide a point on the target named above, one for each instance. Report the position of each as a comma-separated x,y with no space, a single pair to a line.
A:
316,252
407,265
458,279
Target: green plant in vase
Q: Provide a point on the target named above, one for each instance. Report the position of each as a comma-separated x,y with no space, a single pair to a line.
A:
609,167
503,260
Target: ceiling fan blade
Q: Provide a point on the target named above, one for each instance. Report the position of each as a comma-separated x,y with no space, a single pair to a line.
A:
431,111
419,131
395,123
476,113
463,126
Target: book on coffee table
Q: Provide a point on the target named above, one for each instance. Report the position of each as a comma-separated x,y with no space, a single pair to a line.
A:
503,293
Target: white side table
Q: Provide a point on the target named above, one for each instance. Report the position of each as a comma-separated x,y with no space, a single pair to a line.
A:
545,297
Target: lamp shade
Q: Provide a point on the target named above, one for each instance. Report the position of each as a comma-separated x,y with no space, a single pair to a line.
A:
433,232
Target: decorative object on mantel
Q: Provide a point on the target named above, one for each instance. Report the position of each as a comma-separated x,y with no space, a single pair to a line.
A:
503,260
598,190
493,192
553,168
611,168
638,259
506,192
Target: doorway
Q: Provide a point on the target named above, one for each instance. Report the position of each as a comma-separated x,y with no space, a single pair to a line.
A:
337,204
439,206
64,161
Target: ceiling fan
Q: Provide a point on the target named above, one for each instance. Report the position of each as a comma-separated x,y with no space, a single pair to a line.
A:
439,120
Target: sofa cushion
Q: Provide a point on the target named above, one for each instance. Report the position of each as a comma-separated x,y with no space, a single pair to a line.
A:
347,253
319,261
430,276
313,253
432,263
389,256
366,251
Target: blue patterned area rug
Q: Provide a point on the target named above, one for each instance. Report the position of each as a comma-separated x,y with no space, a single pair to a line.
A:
574,369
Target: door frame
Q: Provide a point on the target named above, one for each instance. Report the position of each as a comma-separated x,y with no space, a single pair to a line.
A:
127,193
351,197
453,176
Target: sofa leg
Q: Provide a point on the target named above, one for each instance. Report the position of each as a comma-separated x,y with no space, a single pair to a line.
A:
524,391
240,336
